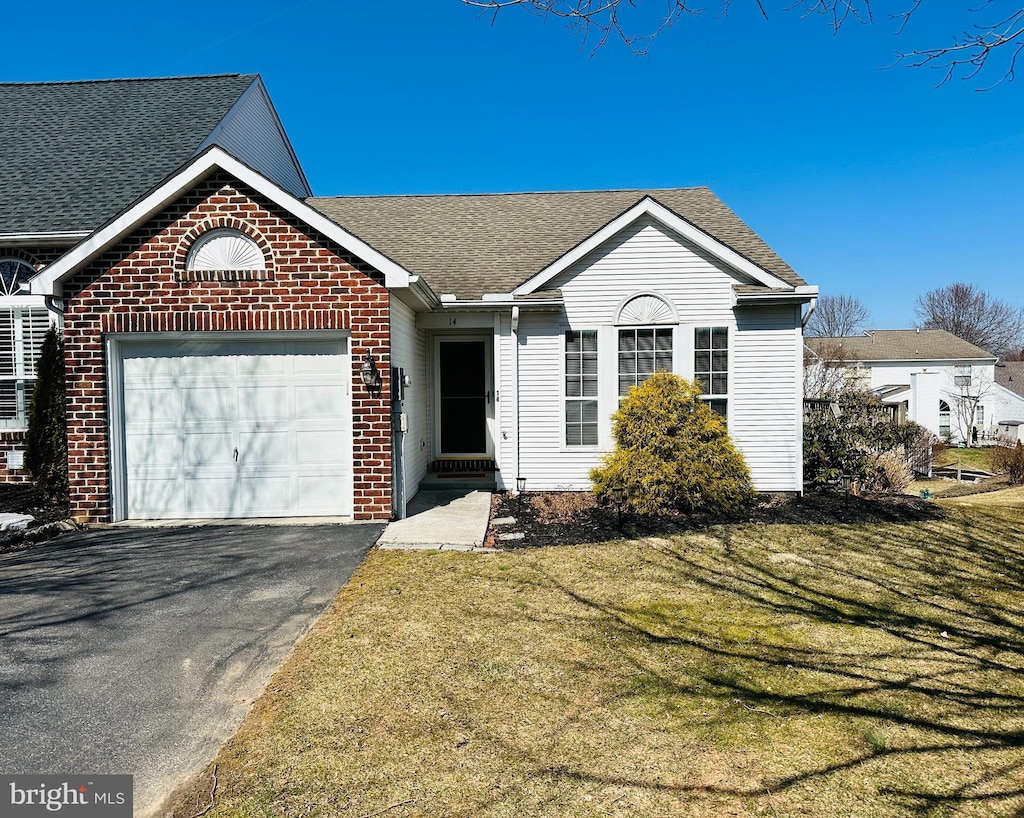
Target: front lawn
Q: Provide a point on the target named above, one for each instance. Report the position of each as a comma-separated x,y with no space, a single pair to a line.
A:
755,669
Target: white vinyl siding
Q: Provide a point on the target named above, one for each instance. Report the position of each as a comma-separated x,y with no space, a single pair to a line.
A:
766,395
252,132
764,372
22,330
408,351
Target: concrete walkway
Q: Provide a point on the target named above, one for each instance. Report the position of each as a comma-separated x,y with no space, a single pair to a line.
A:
450,520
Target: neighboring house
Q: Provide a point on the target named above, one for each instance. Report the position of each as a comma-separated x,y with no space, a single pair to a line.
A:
946,384
236,348
74,154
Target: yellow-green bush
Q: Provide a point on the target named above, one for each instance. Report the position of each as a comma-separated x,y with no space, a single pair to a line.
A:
672,453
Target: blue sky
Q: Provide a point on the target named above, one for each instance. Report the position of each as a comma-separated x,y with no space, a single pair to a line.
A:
868,181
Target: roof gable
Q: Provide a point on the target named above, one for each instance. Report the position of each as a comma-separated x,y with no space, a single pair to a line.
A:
76,152
649,207
474,244
49,281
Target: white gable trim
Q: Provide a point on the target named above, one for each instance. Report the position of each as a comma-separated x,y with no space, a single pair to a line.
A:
48,282
648,207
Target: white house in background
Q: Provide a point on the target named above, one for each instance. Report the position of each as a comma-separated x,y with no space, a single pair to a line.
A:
945,384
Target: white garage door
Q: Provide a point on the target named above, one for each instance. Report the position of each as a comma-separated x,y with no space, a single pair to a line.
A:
216,429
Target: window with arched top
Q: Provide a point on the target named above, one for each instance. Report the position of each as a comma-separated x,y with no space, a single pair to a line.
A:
224,248
24,321
13,274
944,420
645,338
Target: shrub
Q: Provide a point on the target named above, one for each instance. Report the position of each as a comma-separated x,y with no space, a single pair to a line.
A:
672,453
852,438
1009,459
887,473
46,453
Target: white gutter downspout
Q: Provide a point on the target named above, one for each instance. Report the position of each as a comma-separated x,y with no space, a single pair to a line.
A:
812,305
515,379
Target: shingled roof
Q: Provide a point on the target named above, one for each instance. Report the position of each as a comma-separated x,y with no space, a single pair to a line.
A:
74,153
901,345
1011,375
469,245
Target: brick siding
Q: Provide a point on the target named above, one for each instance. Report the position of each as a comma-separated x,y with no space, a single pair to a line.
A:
141,286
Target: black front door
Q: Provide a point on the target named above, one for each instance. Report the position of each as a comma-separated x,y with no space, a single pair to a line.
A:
463,397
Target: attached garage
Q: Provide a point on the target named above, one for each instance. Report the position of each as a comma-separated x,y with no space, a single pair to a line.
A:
204,427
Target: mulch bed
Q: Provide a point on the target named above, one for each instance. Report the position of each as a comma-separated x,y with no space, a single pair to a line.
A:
574,518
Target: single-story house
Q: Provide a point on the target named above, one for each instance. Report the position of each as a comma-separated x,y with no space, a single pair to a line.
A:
238,348
944,383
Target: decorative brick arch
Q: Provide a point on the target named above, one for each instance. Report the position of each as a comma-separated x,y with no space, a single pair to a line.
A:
20,255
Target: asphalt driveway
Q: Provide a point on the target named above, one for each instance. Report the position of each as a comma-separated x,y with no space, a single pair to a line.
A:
140,650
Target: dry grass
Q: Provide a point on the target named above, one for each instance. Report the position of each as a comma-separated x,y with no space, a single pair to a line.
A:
816,670
980,458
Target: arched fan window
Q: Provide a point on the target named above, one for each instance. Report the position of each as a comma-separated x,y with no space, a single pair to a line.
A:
225,249
646,309
13,273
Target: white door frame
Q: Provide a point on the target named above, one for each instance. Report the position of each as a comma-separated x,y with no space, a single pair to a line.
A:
488,342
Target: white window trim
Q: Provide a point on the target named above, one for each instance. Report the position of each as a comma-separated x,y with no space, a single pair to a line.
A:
603,417
22,302
730,362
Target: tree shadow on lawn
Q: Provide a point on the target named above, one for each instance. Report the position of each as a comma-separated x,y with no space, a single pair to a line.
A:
910,632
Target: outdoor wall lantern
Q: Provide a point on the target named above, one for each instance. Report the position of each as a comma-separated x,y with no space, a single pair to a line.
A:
369,373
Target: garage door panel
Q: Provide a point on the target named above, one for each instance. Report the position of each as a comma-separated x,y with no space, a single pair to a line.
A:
264,449
283,405
265,403
214,403
155,497
213,448
160,405
315,448
148,451
324,400
214,496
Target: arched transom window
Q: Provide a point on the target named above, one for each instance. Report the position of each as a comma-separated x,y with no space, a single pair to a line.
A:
225,249
13,273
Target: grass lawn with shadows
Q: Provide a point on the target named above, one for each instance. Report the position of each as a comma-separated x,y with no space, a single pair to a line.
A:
801,669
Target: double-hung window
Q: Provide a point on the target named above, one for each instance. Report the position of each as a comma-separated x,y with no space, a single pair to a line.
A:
24,321
711,366
581,426
642,352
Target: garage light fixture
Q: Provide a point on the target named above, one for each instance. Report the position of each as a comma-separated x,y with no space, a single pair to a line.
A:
369,373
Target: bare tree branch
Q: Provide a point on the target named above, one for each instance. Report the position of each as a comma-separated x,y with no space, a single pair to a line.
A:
973,315
635,25
836,316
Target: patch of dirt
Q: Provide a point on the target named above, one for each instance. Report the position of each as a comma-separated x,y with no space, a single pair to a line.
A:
574,518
